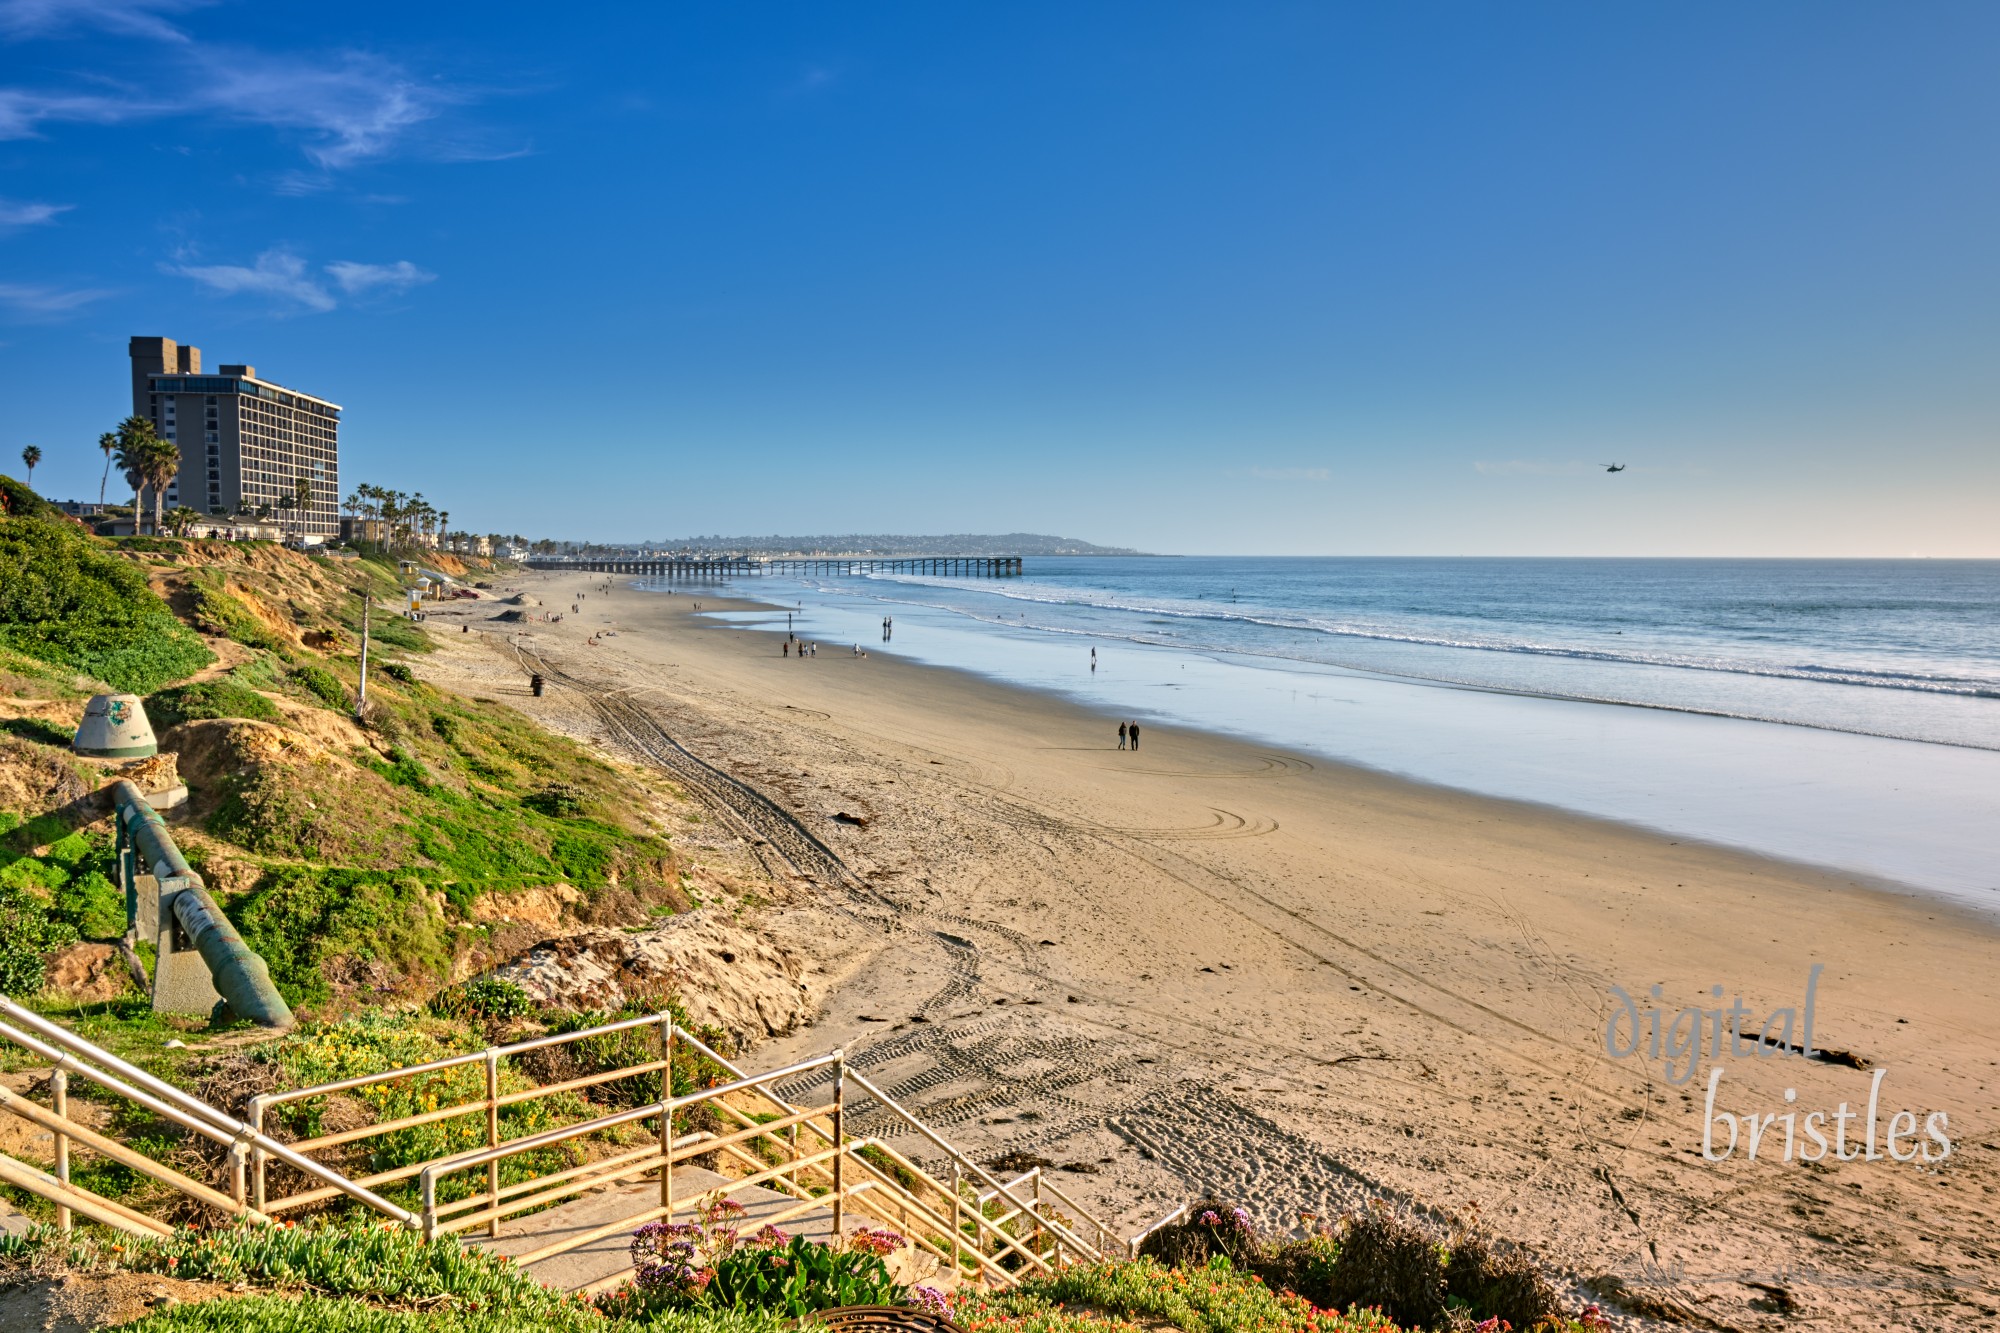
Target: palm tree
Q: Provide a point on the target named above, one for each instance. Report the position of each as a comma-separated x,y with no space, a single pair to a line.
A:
31,456
302,498
180,518
107,442
147,462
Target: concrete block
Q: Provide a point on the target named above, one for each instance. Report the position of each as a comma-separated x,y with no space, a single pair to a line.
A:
181,983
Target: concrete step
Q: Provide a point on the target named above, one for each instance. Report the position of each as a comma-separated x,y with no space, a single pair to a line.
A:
611,1254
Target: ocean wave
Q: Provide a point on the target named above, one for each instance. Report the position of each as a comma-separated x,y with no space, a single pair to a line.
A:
1861,677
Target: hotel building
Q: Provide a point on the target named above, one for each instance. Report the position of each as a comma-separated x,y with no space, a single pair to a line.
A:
244,441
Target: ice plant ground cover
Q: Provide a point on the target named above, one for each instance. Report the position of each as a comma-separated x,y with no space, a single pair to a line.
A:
371,1278
709,1264
1215,1297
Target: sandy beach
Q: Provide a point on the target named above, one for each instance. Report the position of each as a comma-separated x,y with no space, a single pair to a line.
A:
1210,966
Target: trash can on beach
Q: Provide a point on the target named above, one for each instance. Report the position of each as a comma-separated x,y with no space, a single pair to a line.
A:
535,684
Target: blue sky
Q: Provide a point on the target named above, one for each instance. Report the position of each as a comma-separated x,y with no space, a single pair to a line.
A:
1287,278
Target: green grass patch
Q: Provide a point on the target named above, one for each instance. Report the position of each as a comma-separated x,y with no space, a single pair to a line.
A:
224,696
66,601
381,1040
321,1314
216,611
37,729
1215,1298
48,902
24,677
322,685
388,1265
301,918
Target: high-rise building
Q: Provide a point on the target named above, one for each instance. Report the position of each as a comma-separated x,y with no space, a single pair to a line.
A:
245,443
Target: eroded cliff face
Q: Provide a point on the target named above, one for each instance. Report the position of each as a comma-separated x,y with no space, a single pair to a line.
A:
725,977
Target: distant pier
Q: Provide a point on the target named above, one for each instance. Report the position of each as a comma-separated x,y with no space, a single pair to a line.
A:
732,567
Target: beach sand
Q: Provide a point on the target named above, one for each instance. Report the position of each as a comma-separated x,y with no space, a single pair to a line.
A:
1210,966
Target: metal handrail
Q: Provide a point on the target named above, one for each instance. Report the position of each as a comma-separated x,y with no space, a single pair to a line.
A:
1132,1242
164,1099
550,1137
454,1061
960,1160
957,1158
897,1201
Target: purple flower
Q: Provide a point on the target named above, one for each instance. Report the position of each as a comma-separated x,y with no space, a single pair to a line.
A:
875,1242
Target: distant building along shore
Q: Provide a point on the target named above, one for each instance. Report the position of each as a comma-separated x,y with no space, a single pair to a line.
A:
245,442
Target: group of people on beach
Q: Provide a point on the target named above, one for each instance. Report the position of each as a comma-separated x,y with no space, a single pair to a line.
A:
1128,731
805,649
888,627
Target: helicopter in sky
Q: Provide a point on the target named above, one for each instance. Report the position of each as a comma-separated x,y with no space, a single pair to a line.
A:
1614,467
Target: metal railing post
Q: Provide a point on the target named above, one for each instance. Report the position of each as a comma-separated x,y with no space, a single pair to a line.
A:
493,1137
258,1161
239,1161
957,1202
839,1142
59,1100
667,1120
1036,1243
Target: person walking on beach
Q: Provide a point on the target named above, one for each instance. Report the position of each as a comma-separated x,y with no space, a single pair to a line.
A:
1135,735
1121,735
1093,661
788,648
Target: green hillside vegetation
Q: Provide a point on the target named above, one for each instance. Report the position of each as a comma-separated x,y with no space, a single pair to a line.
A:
66,601
347,1278
340,850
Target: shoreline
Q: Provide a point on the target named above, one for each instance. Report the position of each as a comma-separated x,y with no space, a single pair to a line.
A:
1898,812
1982,916
1216,964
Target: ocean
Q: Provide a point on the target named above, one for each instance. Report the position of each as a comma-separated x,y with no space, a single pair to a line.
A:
1841,712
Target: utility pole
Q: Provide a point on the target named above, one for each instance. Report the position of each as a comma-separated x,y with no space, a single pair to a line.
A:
361,701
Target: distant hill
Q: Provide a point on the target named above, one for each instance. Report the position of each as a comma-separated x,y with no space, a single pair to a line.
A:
885,545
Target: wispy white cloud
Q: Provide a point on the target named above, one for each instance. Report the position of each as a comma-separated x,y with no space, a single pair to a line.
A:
127,18
278,275
361,279
1291,473
356,108
24,111
38,301
292,285
29,214
343,107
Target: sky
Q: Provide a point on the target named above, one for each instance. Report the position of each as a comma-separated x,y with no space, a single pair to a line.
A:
1248,278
